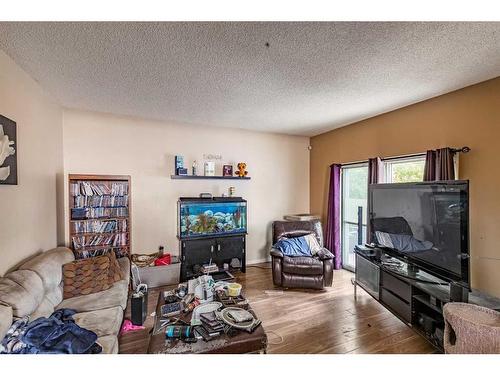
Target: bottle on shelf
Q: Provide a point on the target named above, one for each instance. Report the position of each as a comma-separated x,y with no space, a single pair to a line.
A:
194,168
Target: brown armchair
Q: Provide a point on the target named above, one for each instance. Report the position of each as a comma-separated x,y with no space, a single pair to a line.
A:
314,272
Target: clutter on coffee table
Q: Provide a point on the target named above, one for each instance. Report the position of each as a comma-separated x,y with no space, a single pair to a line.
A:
238,318
202,309
228,301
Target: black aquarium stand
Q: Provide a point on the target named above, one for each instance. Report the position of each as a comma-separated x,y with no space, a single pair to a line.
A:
412,294
220,249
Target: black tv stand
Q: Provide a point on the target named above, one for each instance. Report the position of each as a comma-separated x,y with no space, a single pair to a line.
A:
412,294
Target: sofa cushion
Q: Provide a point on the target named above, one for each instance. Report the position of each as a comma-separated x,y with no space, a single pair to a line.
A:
302,265
22,301
102,322
55,296
48,265
109,344
48,304
44,309
5,320
114,296
30,281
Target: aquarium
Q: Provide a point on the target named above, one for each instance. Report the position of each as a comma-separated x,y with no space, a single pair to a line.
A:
211,217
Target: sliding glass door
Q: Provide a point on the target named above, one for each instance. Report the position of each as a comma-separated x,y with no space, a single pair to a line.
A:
353,207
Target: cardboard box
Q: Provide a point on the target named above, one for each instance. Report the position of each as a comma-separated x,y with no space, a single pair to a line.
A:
301,217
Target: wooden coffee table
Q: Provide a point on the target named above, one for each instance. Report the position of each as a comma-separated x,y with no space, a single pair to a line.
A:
242,342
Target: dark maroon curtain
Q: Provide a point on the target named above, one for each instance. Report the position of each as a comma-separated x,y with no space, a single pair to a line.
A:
332,241
375,173
375,176
439,165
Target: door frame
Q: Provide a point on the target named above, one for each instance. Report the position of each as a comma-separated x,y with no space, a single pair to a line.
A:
342,168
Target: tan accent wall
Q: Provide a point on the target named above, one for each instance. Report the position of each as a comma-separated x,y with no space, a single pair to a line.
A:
109,144
467,117
28,211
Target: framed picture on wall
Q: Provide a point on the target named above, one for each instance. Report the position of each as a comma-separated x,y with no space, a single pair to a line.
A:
227,170
8,152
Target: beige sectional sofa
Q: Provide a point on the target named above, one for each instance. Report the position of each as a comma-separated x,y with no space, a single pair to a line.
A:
36,289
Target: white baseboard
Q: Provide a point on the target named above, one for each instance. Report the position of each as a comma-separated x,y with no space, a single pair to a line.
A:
256,261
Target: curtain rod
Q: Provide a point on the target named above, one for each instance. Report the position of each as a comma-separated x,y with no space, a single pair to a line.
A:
403,156
387,158
464,149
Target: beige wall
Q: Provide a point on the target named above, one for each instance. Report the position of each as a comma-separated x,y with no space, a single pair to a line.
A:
108,144
28,211
470,117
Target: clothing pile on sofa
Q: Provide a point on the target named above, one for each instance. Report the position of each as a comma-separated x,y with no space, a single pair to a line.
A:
37,289
57,334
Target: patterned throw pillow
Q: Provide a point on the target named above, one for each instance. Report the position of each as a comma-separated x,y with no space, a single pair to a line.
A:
91,275
115,272
86,276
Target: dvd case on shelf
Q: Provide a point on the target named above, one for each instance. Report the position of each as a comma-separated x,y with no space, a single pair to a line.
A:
98,212
119,239
91,188
99,226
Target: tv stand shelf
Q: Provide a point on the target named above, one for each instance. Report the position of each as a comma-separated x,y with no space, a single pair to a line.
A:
424,299
409,292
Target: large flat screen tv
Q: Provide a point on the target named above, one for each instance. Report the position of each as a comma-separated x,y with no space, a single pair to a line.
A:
425,222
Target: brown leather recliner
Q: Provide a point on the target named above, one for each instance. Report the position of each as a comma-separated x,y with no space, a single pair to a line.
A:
314,272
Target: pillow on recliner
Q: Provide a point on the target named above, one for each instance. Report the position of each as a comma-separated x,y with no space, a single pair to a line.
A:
313,243
304,246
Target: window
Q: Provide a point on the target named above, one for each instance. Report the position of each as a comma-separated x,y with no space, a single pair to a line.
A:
354,198
354,201
408,169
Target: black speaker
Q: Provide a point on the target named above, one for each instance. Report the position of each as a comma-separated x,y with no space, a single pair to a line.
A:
139,308
458,293
427,323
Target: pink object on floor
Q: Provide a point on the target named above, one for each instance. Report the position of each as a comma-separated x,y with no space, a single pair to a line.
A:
127,326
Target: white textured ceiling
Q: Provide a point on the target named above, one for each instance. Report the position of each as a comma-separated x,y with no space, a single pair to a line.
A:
313,77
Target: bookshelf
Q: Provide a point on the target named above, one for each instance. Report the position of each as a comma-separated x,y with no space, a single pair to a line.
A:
99,214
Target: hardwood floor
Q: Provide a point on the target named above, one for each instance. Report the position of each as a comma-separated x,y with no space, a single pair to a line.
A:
300,321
